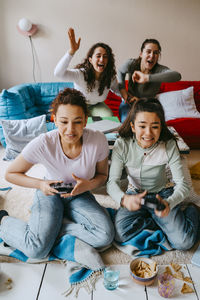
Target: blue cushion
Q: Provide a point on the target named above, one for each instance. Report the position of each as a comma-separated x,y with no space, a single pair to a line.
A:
11,106
28,100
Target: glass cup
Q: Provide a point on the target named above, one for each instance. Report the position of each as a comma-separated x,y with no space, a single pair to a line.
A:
166,284
111,278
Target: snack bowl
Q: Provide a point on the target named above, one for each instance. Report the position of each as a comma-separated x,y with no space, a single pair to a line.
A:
152,270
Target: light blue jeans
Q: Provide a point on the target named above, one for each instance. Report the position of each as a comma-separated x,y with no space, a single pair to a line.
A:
180,226
85,219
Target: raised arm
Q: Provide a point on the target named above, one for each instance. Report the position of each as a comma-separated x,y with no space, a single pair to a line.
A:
61,70
163,74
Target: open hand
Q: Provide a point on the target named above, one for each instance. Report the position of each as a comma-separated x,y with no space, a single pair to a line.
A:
82,185
74,46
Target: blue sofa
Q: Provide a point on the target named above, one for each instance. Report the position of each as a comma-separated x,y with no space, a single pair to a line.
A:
28,100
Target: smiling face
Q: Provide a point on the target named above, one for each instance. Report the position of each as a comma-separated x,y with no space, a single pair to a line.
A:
147,128
149,57
70,120
99,60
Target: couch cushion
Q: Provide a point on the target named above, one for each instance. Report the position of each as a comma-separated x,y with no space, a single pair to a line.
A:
11,106
37,97
113,101
179,104
189,130
18,133
180,85
28,100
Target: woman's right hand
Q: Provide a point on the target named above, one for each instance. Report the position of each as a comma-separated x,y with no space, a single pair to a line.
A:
133,202
140,77
46,188
74,46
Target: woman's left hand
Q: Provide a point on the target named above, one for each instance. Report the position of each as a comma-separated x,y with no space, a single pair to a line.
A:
166,211
82,185
140,77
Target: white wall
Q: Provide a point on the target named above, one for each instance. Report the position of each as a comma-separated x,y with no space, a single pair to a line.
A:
123,24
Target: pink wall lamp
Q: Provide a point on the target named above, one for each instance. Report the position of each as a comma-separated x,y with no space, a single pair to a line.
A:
26,28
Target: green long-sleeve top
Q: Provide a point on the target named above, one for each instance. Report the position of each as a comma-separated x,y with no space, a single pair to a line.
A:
158,74
146,169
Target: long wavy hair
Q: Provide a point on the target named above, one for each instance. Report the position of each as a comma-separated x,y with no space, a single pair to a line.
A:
89,74
146,105
136,64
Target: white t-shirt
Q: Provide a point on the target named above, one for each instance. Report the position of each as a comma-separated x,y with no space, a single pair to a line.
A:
76,76
46,149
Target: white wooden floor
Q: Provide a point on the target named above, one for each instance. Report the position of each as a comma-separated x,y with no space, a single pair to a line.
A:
48,282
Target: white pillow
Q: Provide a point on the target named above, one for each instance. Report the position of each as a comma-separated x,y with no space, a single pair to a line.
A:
18,133
179,104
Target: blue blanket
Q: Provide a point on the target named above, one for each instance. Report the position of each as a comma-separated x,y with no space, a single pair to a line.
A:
84,264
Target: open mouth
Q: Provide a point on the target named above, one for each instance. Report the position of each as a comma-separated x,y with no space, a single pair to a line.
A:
100,66
151,62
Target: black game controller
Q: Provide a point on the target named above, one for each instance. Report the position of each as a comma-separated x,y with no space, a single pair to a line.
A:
151,201
62,188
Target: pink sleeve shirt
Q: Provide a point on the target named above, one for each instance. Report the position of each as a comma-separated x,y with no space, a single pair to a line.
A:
46,149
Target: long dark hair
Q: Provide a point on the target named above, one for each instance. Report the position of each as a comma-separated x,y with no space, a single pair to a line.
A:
146,105
136,64
89,73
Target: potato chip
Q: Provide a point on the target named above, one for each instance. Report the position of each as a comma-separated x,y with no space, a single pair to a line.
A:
153,266
176,267
168,271
188,279
145,270
186,289
178,275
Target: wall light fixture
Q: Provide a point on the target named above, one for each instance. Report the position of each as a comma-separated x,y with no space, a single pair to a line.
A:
26,28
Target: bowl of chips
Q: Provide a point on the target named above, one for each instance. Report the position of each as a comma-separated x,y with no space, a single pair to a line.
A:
143,270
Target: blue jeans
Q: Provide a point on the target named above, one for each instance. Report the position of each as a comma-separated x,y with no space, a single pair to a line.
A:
124,109
86,220
180,227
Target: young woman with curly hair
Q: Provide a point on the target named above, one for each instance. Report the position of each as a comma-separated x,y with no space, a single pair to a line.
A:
71,154
94,77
